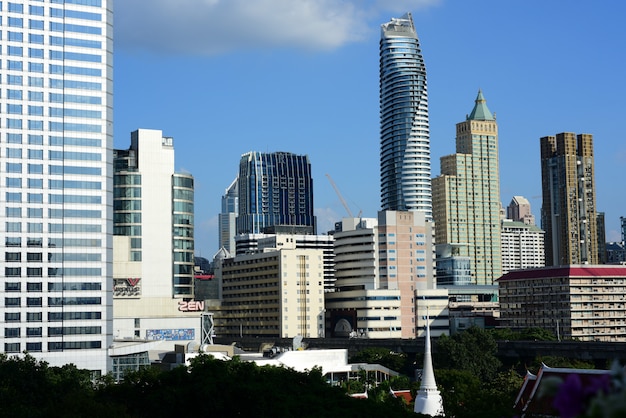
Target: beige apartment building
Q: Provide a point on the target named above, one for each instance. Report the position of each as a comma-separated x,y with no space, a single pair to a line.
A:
568,212
522,246
406,260
584,302
275,293
466,196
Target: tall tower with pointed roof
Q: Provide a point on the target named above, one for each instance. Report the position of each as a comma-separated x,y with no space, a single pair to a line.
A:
466,195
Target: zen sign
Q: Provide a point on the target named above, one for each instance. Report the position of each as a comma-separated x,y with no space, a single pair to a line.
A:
191,306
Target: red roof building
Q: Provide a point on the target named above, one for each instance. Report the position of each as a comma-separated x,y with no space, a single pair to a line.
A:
584,302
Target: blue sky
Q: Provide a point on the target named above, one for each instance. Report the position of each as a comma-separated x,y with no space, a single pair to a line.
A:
224,77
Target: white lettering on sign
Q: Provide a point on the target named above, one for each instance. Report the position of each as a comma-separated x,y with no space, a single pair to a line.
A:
191,306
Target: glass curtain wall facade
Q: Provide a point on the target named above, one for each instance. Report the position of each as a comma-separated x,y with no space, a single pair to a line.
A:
404,130
275,189
56,137
183,240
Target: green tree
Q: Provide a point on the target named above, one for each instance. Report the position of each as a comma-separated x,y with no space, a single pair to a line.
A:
378,355
473,350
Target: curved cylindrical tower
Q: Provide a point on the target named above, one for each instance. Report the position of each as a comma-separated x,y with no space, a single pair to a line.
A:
404,130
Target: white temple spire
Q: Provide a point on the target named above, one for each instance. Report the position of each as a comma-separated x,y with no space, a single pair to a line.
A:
428,400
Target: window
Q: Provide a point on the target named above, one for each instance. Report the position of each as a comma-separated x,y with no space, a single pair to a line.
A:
34,272
16,37
15,51
12,287
36,110
13,197
35,169
13,138
35,24
14,227
14,109
34,257
13,182
14,123
35,139
14,153
33,302
33,287
12,317
35,154
14,94
16,8
35,228
15,65
33,316
13,212
35,183
16,22
13,167
33,332
35,52
15,80
12,302
35,81
9,257
33,347
35,197
35,212
12,347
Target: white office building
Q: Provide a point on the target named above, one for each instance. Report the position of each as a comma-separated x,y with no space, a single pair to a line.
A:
56,136
153,273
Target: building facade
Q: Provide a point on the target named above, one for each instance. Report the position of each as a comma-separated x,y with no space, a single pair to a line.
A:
153,274
251,243
466,196
568,212
584,302
277,293
522,246
406,260
275,189
519,210
404,129
57,136
228,218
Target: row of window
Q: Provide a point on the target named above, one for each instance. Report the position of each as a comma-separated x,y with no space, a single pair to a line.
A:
18,51
52,198
53,346
38,125
54,257
18,22
55,185
52,316
65,301
17,109
54,272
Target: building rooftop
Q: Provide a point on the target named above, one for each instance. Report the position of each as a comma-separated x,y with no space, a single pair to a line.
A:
480,111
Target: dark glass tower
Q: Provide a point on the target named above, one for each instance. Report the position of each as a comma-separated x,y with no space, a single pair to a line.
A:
275,192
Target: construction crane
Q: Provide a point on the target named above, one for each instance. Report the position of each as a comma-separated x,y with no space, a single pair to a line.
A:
343,201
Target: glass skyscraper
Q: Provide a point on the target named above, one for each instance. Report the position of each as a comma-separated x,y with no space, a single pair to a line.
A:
404,132
56,137
275,190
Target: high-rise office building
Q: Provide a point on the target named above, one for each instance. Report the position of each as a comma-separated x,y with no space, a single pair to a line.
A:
228,218
153,207
568,212
275,189
55,186
519,210
466,196
404,131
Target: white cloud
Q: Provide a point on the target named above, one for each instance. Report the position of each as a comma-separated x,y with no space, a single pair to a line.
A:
326,218
207,27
